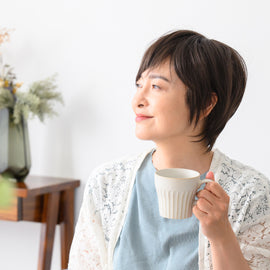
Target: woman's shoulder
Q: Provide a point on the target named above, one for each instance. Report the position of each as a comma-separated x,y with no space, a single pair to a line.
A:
122,163
231,170
117,168
249,189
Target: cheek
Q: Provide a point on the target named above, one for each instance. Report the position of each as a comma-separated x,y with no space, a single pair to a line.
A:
175,114
172,110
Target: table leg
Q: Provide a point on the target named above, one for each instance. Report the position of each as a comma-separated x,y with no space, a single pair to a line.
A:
66,225
49,221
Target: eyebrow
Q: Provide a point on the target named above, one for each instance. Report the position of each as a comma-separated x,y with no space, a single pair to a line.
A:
156,76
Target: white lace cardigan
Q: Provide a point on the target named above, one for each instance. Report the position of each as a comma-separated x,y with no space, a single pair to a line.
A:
107,195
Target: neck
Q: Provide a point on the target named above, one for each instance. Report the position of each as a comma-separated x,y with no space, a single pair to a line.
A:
188,155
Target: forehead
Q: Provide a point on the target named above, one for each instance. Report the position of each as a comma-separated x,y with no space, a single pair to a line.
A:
164,70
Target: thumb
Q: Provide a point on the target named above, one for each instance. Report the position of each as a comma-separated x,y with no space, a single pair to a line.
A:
210,175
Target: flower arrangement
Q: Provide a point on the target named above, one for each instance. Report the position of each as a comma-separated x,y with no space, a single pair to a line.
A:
37,101
16,107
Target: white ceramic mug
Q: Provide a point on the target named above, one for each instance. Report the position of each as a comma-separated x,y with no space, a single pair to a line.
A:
176,189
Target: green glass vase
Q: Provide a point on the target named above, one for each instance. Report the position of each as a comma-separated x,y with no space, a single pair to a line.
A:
15,160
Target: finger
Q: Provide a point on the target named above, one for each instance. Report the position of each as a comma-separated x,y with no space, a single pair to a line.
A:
216,189
210,175
207,195
198,213
204,205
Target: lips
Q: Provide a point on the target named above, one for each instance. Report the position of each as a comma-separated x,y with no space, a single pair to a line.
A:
141,117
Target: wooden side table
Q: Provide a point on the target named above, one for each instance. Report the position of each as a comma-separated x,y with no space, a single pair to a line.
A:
48,200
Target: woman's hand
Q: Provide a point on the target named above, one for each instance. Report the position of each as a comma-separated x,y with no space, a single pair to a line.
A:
212,211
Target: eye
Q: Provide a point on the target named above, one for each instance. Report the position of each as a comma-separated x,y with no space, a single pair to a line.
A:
155,86
138,85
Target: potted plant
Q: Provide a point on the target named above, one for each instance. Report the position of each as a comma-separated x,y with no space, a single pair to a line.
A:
15,109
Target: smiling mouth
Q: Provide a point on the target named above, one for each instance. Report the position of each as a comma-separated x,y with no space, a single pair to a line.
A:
141,118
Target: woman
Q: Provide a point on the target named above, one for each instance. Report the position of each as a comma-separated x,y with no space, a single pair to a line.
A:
188,87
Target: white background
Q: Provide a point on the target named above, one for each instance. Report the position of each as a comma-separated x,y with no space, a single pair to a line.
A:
96,48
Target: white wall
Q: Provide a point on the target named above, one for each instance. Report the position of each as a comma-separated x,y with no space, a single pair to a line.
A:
96,47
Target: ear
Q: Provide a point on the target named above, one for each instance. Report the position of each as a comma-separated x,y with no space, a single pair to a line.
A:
210,107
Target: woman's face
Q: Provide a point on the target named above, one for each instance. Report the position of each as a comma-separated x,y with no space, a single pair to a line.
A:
160,96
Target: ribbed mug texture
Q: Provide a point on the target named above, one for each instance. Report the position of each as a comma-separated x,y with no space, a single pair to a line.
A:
176,189
175,204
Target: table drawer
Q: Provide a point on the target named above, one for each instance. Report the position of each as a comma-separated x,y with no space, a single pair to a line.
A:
13,211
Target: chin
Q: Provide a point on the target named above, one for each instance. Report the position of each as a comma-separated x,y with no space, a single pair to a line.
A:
143,136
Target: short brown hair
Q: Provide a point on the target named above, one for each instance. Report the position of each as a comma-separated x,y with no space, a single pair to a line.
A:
204,66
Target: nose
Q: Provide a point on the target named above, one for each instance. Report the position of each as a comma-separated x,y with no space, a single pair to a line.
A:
140,99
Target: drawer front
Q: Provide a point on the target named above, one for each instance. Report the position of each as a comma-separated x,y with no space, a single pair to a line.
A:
13,211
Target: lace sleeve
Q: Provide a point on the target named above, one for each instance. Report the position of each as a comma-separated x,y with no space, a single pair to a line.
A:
249,211
254,236
255,244
88,248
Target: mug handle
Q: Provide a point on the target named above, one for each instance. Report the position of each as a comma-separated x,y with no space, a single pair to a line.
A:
205,181
201,182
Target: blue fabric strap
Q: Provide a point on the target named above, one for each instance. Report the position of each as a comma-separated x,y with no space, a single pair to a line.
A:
149,241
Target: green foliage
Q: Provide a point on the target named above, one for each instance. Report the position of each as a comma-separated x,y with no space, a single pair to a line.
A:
6,99
37,101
